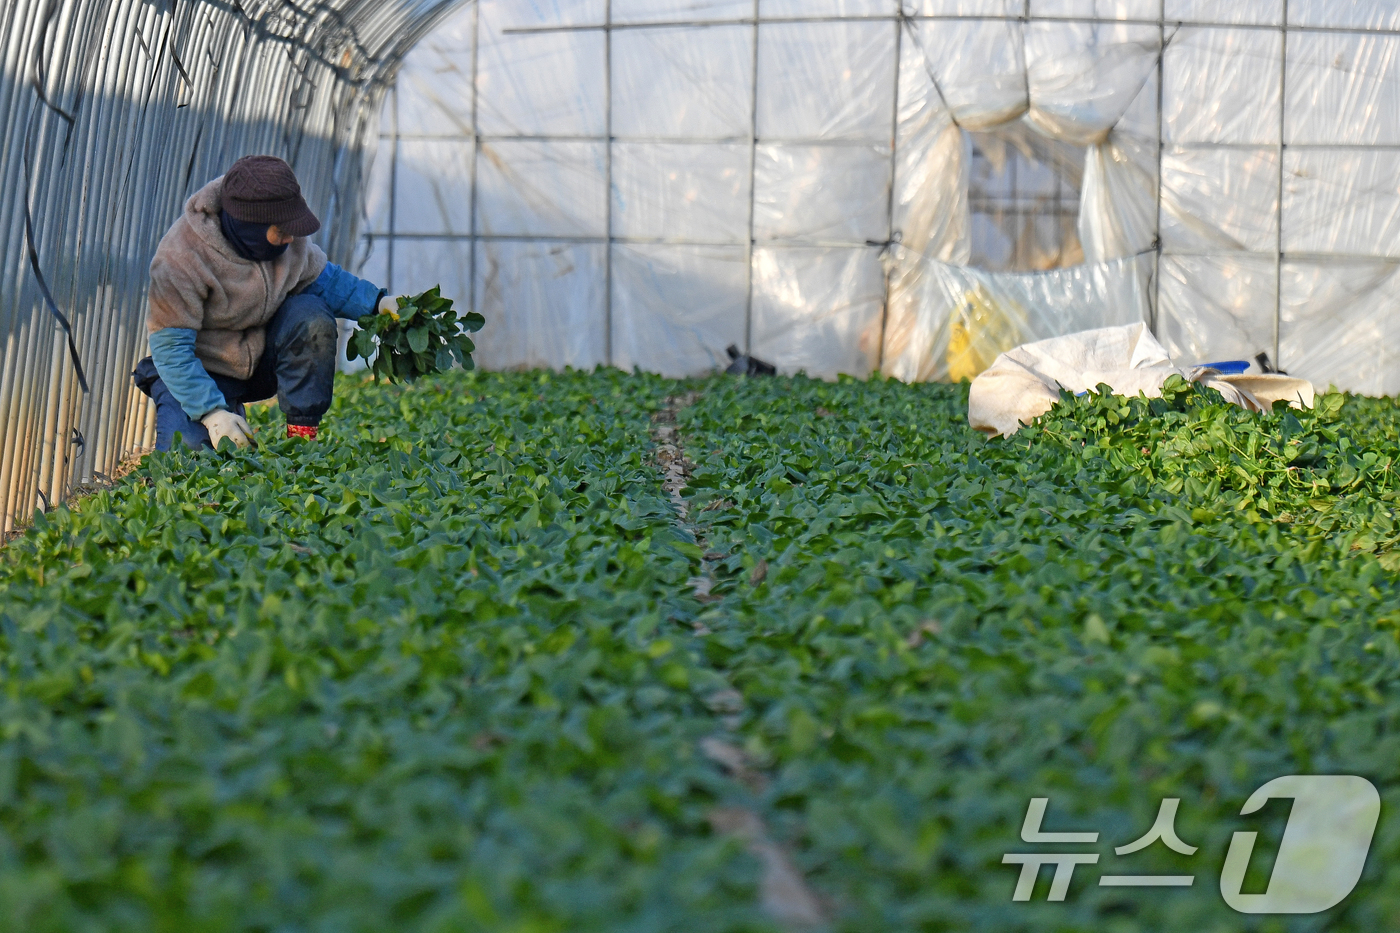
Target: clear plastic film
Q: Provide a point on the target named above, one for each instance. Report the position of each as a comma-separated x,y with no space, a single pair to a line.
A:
1344,201
843,336
1241,12
932,164
790,199
1216,307
681,190
544,302
683,83
1220,200
694,178
825,80
958,319
677,307
1343,317
975,69
1082,76
1118,204
1239,104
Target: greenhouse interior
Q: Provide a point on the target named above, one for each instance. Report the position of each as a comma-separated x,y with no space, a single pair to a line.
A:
651,569
835,186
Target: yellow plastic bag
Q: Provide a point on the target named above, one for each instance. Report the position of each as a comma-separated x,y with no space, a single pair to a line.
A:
980,331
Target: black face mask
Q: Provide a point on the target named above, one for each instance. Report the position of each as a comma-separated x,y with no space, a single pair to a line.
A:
249,239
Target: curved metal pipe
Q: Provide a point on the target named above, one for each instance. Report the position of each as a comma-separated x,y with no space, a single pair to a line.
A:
125,107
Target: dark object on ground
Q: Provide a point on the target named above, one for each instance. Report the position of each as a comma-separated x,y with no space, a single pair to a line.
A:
745,365
1265,366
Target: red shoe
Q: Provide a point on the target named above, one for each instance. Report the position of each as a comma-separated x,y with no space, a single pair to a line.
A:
307,431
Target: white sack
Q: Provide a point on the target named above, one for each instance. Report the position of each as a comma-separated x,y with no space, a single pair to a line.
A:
1267,388
1022,384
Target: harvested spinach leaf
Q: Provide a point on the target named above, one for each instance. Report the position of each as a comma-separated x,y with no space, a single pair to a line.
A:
423,336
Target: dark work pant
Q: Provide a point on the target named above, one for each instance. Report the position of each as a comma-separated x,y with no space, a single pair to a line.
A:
298,366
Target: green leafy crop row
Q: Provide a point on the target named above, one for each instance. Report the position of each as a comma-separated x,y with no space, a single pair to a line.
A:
1133,601
419,675
462,665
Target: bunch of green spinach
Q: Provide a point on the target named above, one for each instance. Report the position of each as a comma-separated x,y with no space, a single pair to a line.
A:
423,336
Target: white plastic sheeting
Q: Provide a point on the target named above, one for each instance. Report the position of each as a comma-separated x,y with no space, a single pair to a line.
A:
643,182
955,320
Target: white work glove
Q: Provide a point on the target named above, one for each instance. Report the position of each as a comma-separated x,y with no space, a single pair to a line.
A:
225,424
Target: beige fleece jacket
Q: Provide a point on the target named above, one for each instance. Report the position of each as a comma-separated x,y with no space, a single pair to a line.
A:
198,282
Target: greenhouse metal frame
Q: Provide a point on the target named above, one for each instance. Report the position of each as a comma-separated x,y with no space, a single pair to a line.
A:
116,111
1290,25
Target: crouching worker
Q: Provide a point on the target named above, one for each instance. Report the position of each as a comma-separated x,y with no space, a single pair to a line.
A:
243,307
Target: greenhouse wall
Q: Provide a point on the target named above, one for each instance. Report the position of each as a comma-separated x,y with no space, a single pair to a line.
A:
825,183
114,113
839,186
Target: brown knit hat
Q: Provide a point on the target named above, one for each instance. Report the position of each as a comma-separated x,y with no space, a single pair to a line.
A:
263,189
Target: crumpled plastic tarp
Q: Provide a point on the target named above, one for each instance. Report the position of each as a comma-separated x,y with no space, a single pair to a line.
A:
697,202
1023,383
949,322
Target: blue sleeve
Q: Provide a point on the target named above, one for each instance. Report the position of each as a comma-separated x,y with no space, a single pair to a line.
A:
172,350
348,296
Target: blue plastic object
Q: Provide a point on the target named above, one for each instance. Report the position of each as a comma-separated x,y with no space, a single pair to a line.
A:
1228,367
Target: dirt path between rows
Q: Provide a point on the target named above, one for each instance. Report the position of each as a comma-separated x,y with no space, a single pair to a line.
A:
783,891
